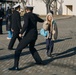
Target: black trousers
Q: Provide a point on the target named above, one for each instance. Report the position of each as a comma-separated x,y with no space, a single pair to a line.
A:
13,39
49,46
23,43
0,26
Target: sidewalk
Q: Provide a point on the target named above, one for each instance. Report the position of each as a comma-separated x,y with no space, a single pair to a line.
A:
59,17
63,62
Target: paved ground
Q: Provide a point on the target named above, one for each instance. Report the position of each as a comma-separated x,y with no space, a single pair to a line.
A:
63,63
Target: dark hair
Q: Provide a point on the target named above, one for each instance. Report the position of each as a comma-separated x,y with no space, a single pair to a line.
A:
29,8
17,7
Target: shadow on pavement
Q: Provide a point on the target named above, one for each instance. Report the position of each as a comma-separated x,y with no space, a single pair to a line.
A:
42,43
28,65
11,56
65,54
41,49
1,48
58,40
68,53
28,52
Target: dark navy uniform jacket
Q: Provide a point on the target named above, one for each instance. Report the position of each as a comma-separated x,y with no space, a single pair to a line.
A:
16,21
1,12
30,25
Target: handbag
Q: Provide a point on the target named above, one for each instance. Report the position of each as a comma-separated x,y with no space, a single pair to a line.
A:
45,25
44,32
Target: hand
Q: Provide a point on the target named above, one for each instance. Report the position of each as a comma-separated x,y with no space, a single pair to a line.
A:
20,35
12,30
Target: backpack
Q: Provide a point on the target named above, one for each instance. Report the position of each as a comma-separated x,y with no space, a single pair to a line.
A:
55,30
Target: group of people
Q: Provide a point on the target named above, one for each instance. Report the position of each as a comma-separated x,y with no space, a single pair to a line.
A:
9,13
6,17
29,29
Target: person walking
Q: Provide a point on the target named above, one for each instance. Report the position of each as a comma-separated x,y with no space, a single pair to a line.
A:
8,22
1,18
29,38
16,26
51,27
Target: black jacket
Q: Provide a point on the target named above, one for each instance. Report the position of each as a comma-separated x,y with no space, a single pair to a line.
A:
8,19
16,21
30,24
1,13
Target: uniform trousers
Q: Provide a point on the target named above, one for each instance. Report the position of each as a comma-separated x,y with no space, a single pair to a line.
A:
23,43
13,39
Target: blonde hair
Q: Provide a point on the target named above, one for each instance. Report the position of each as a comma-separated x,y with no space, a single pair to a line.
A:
50,22
49,14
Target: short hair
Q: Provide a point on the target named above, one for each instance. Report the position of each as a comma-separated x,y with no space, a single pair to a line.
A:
29,8
17,7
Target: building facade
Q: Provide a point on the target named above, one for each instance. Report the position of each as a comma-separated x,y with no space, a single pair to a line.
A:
64,7
39,6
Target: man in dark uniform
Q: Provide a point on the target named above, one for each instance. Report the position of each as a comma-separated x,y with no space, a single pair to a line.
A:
1,18
16,26
30,37
8,22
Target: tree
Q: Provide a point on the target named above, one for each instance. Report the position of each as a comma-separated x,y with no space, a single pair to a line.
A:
24,2
48,5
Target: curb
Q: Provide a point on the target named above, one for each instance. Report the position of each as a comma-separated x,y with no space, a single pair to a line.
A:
63,17
59,17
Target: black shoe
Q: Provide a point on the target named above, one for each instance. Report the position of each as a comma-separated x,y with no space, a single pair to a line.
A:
14,68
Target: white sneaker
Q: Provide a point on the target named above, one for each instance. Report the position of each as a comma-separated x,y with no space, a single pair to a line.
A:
8,38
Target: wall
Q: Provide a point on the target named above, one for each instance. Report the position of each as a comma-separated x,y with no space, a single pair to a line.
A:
40,7
64,7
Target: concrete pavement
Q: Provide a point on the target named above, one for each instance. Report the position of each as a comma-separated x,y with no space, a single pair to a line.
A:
63,62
